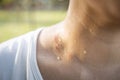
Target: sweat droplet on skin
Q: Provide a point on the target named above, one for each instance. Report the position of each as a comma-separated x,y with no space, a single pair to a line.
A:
59,40
58,44
58,58
82,55
91,31
85,52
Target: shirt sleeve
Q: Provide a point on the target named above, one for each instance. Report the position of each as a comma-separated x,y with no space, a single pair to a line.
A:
13,54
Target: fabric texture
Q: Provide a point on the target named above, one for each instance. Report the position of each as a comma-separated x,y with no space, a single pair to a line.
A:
18,58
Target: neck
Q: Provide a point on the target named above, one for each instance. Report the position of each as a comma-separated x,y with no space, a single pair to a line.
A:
83,23
87,22
83,14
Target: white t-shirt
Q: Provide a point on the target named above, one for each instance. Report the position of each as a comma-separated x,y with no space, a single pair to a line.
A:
18,58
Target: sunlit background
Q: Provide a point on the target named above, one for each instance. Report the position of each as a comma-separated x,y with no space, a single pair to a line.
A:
18,17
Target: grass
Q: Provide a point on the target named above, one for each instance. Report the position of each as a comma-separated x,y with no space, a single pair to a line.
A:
15,23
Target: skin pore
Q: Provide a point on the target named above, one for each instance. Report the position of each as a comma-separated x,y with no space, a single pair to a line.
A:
85,46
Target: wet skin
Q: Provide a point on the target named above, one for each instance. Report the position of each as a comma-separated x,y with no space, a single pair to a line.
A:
85,46
80,57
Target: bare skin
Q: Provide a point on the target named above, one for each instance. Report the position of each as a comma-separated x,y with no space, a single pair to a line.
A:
85,46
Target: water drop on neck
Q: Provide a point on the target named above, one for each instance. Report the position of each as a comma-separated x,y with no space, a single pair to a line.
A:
58,58
85,52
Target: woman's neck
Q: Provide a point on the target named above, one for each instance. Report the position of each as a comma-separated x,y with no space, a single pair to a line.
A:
82,23
83,14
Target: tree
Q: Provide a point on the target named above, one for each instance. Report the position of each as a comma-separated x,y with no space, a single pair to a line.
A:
6,3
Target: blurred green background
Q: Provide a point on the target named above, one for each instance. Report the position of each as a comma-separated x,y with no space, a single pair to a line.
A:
18,17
